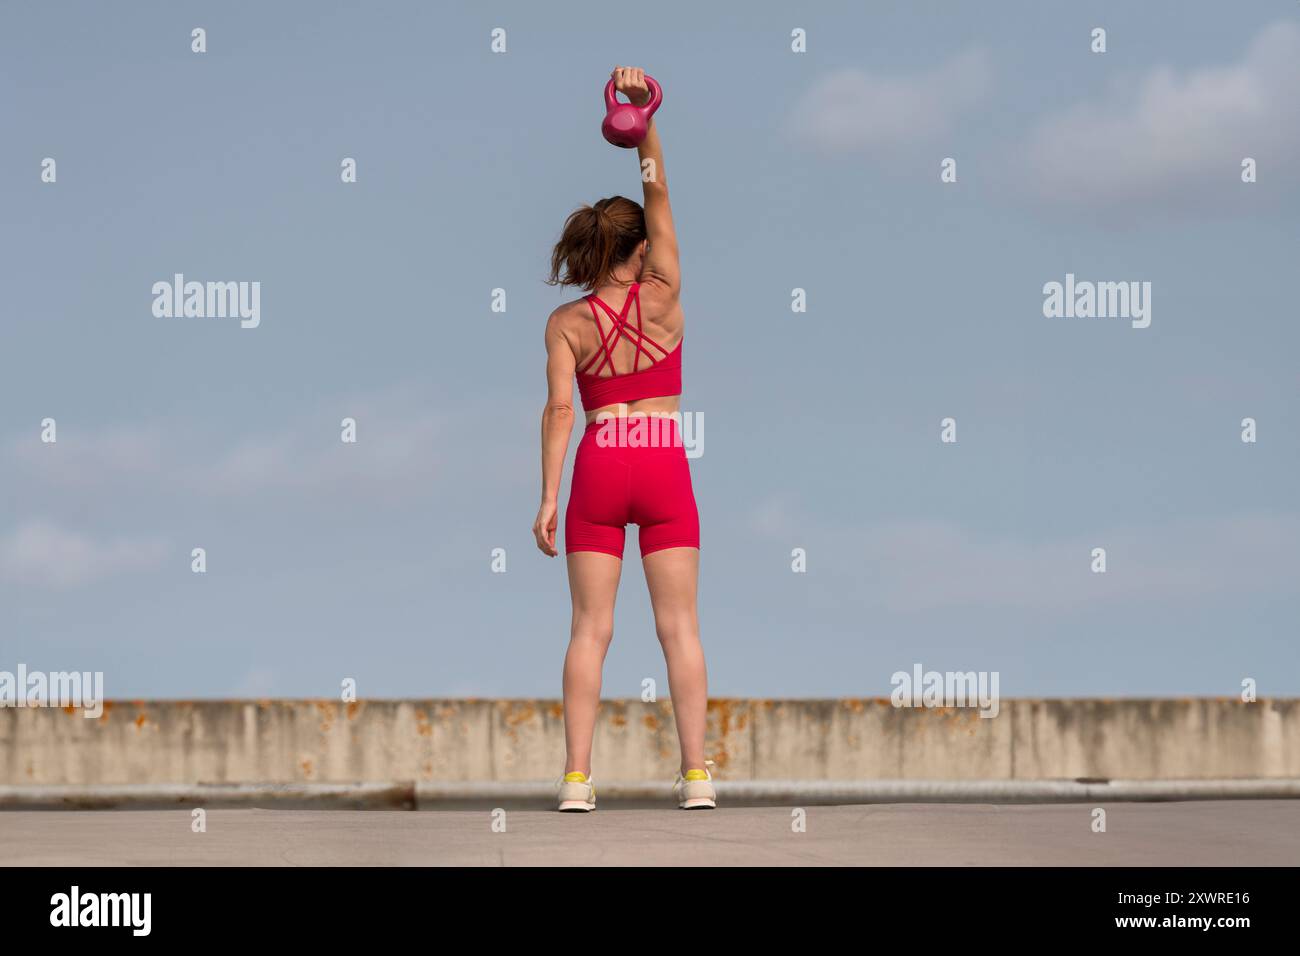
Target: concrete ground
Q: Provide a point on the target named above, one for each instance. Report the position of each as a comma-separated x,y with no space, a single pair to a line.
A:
1210,833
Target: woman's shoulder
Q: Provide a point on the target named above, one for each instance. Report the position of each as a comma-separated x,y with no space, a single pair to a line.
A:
571,315
567,321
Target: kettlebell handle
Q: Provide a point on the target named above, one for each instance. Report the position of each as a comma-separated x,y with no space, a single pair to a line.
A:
656,97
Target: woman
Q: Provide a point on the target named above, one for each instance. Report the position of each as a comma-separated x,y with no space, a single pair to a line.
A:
623,343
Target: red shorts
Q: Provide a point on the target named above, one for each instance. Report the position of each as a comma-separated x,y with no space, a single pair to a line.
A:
624,475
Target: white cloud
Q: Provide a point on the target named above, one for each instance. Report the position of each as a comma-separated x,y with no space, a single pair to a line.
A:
78,458
1168,137
402,442
256,682
921,564
39,553
773,518
406,440
855,112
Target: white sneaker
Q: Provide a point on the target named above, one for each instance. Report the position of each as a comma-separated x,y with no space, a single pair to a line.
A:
577,793
695,790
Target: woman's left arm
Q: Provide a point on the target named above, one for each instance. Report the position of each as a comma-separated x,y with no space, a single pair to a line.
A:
557,426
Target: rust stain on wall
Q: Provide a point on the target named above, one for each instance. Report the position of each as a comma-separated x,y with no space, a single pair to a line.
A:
725,710
329,712
519,712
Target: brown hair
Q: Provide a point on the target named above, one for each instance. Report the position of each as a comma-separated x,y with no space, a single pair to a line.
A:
595,239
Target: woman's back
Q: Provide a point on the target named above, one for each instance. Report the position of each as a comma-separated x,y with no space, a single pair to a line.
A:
627,345
662,322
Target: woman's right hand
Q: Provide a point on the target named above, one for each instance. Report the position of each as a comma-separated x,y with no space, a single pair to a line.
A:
630,81
544,527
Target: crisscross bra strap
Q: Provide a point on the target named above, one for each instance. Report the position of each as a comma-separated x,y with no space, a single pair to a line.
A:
620,326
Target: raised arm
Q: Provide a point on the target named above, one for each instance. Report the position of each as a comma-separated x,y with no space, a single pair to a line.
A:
661,268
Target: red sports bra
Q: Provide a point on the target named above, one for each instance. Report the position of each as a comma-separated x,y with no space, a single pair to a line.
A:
663,376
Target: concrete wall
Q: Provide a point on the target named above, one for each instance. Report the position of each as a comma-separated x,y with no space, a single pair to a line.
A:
284,741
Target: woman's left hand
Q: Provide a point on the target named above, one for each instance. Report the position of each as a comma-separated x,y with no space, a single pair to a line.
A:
544,527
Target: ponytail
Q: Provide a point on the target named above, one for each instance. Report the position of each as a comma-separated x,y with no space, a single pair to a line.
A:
596,239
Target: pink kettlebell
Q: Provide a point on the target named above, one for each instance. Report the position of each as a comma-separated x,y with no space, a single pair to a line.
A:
626,125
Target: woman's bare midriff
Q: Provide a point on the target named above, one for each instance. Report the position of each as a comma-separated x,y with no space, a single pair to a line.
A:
645,406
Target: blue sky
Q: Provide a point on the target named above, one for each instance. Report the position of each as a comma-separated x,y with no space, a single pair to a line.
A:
816,170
